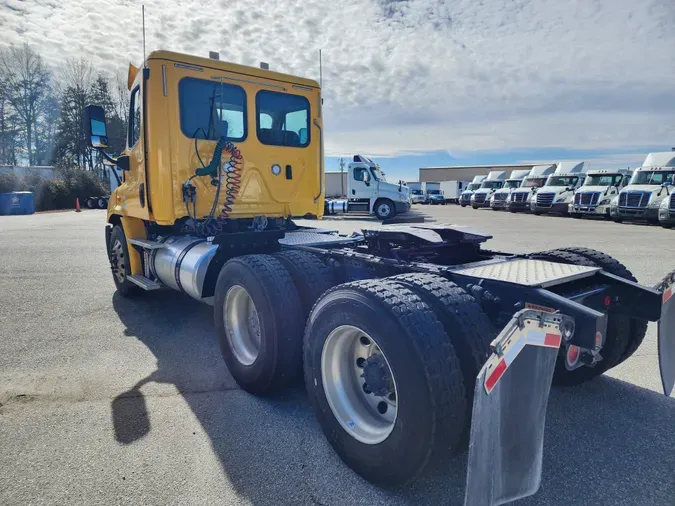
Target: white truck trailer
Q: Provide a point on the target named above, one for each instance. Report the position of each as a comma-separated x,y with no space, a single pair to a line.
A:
519,200
648,188
452,190
494,181
557,193
465,196
498,198
416,189
599,188
369,192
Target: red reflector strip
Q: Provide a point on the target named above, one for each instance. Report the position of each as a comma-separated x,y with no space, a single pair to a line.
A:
495,375
552,340
667,294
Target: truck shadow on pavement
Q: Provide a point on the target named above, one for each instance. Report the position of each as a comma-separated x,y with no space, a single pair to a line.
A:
607,442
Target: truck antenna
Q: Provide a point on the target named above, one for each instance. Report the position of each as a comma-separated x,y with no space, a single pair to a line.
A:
143,16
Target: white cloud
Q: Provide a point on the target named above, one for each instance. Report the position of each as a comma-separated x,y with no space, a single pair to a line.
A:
417,75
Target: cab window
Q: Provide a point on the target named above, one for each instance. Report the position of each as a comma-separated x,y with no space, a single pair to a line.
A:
361,174
134,117
212,109
282,119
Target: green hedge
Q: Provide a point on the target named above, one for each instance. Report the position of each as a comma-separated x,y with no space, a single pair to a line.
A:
56,193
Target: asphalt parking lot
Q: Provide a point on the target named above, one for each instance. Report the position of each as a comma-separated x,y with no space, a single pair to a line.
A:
105,400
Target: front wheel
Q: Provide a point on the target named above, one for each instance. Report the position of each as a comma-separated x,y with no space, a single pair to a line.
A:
383,379
118,254
463,205
384,209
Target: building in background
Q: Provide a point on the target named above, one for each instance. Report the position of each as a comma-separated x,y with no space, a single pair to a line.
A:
465,172
19,171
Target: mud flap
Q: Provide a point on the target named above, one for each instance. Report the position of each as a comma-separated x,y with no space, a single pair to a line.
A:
509,411
667,340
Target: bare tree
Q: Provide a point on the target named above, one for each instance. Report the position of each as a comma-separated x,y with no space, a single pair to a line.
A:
27,80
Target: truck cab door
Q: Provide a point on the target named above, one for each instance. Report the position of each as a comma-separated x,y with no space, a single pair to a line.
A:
361,184
133,191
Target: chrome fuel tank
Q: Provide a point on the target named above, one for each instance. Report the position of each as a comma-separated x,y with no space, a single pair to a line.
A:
182,263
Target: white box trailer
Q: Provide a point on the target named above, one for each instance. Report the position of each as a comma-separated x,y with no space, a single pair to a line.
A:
452,190
336,184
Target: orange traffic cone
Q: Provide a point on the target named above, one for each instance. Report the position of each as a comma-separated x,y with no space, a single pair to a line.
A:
77,205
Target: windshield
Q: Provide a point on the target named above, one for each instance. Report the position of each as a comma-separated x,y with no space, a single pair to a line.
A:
473,187
533,182
604,180
512,184
562,181
377,175
653,177
416,192
493,185
434,192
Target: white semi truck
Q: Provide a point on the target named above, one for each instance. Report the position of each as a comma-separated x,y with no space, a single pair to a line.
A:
465,197
648,188
521,198
599,188
416,192
557,193
494,181
498,198
369,192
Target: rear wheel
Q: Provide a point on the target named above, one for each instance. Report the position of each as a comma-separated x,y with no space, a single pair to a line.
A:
258,319
383,379
119,263
616,340
91,203
638,328
465,323
311,276
384,209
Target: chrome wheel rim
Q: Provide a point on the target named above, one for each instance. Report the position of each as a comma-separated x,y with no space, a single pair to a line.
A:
383,210
349,356
242,324
118,261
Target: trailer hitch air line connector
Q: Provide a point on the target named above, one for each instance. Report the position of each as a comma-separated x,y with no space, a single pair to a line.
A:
509,410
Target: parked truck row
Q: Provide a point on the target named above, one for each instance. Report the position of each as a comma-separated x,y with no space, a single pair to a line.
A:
568,189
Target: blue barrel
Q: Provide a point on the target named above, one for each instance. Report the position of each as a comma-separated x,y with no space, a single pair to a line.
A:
17,203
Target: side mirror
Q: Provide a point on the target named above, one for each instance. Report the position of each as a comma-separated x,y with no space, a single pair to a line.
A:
95,126
122,162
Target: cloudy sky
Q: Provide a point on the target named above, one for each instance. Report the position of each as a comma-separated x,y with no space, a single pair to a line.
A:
417,82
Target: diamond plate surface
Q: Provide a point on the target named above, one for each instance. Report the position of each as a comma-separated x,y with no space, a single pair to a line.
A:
303,238
529,272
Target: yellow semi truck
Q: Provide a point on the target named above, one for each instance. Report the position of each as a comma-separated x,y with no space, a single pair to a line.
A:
406,335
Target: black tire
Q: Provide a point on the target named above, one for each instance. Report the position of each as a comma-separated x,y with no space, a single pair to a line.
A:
431,413
91,203
575,215
474,207
101,203
463,205
666,226
638,328
278,362
381,215
120,259
616,340
536,213
617,220
311,276
465,323
513,211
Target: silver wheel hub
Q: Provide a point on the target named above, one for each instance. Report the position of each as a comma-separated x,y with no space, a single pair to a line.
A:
118,261
383,209
242,324
359,385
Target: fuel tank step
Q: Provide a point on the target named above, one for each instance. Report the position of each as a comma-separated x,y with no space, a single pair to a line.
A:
144,283
146,243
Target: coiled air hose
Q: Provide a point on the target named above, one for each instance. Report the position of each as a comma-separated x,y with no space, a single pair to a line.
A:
234,165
